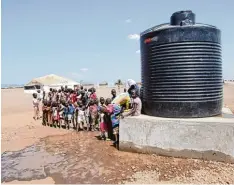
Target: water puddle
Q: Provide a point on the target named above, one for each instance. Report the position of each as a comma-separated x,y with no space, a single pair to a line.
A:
79,158
224,115
71,158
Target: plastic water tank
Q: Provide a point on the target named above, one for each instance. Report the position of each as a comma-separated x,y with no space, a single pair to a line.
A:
182,68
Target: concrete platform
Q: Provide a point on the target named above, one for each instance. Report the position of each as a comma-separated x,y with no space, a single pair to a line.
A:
203,138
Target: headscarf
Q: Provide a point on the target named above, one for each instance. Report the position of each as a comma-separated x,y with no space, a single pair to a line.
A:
129,83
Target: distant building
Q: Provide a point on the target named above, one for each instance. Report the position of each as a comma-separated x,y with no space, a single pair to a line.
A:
47,82
103,83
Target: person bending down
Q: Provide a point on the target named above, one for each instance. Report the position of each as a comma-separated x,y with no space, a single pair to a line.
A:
136,105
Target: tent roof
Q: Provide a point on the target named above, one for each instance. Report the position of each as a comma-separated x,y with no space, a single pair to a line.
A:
52,80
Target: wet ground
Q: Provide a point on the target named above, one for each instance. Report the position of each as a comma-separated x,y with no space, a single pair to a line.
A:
77,158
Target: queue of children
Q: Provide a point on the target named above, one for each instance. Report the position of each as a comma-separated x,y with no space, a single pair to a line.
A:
82,109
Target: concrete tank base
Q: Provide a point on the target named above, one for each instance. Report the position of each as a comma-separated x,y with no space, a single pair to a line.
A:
201,138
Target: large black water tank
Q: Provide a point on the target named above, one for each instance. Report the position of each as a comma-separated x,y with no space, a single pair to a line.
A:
182,68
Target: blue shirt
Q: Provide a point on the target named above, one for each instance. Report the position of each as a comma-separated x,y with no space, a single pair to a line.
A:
71,109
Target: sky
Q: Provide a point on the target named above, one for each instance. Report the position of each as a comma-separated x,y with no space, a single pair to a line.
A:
94,41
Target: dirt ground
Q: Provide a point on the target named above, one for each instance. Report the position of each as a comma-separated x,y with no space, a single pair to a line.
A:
19,130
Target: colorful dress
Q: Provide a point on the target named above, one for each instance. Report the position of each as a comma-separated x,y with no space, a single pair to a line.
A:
122,99
93,110
55,114
115,115
103,125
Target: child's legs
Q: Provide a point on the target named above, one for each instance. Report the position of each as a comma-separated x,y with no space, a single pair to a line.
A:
44,118
65,121
106,134
79,122
116,132
76,119
84,123
34,112
61,120
93,121
109,127
69,120
73,121
97,123
105,130
49,118
55,123
88,122
54,120
37,112
103,127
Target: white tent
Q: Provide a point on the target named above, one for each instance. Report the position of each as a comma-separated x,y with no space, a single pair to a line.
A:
49,81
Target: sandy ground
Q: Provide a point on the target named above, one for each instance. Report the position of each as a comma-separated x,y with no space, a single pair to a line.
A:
229,95
47,180
20,130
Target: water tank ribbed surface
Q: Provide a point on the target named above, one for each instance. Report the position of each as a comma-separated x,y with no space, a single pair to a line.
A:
182,69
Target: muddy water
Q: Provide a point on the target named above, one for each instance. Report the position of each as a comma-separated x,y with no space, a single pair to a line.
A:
77,158
71,158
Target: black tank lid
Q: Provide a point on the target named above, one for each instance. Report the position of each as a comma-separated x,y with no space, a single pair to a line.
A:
183,18
180,18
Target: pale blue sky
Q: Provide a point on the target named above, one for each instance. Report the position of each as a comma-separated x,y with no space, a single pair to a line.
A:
63,37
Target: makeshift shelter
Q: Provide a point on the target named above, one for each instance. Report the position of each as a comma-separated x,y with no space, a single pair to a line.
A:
47,82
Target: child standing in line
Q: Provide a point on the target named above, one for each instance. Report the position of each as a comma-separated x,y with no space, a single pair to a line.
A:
81,120
102,102
44,113
71,111
61,112
49,113
49,97
103,125
39,97
59,94
113,93
115,117
74,97
55,114
87,116
54,96
66,110
76,107
35,106
107,118
93,114
93,95
97,122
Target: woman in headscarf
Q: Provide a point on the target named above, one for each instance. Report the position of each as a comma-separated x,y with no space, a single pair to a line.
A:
132,85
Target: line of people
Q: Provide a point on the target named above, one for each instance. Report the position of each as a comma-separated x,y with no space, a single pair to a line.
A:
82,109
